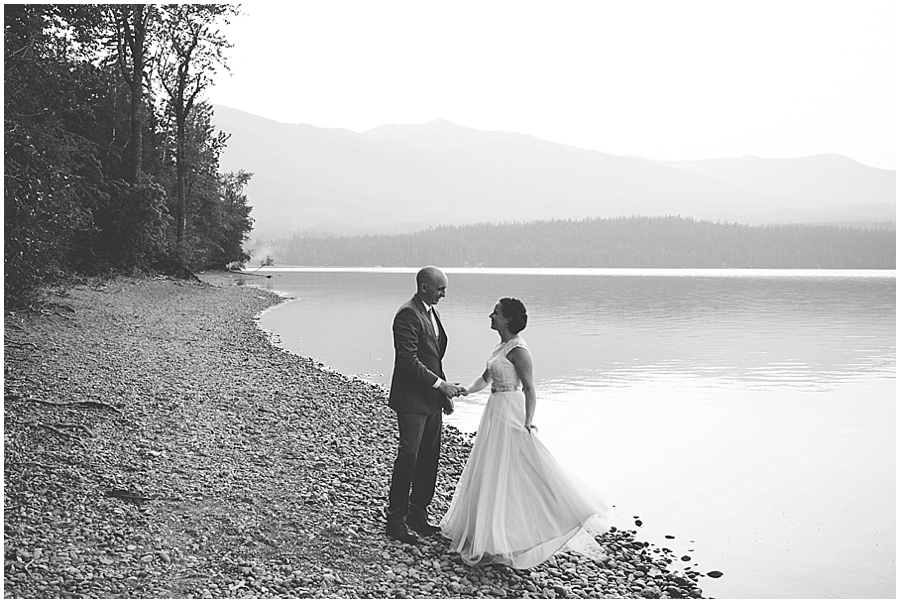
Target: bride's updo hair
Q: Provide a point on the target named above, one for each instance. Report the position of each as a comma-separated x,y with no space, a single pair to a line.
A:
514,310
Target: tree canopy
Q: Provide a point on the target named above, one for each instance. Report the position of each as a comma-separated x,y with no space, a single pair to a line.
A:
107,168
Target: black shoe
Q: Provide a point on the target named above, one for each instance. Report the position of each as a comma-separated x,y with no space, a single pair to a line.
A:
399,532
422,527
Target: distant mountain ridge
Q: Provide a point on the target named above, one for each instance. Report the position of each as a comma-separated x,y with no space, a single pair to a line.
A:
814,177
400,178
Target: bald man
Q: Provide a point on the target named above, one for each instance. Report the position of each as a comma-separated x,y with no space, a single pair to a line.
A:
419,394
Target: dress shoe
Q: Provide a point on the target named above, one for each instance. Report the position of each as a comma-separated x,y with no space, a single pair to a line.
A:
422,527
399,532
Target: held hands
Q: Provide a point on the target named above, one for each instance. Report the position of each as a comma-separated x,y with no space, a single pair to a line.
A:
451,390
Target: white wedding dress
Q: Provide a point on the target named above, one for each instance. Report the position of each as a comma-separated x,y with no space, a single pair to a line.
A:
514,504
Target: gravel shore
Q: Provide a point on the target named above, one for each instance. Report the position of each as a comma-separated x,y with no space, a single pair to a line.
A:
157,445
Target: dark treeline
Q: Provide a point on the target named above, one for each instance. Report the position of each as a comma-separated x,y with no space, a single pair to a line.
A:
111,164
635,242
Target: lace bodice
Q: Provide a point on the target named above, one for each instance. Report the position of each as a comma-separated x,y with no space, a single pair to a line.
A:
502,371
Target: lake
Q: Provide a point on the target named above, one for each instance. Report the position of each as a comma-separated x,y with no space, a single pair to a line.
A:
749,414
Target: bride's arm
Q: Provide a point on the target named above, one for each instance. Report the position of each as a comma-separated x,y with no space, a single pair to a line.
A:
480,383
521,359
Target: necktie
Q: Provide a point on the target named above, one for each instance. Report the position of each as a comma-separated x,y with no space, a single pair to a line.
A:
434,323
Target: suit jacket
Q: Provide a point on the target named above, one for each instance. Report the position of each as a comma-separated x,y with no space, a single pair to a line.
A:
418,352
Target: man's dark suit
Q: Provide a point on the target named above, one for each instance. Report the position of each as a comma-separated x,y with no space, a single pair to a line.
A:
418,352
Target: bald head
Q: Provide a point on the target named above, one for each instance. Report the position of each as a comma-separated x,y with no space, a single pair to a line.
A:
431,285
429,275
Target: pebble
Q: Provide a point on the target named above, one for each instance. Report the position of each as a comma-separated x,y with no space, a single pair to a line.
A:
561,591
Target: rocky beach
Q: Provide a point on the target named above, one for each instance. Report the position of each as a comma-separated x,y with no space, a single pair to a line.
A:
158,445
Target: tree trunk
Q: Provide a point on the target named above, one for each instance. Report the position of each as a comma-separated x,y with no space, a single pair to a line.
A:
134,23
179,178
137,94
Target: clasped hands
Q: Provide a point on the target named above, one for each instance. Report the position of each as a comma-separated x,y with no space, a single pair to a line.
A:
452,390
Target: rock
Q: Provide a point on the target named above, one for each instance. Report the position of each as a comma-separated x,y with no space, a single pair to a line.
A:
685,558
561,591
673,592
715,574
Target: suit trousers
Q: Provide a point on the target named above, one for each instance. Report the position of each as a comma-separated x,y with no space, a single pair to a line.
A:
415,469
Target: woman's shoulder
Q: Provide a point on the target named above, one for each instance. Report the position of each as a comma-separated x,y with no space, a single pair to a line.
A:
516,342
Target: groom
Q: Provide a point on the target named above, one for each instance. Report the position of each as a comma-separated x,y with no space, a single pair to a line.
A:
418,395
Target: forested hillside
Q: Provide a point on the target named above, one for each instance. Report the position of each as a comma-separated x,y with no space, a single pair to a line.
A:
636,242
111,164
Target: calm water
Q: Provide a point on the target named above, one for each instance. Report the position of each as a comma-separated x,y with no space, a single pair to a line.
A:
750,414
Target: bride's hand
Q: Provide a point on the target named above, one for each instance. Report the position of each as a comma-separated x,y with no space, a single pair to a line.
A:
530,426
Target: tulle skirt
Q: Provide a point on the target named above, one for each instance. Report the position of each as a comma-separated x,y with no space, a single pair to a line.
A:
515,504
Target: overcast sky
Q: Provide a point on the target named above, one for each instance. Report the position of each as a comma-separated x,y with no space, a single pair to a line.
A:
664,80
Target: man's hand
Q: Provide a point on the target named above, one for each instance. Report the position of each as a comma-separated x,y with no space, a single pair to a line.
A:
448,407
451,390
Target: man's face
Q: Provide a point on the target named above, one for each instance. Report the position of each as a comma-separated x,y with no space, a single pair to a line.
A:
434,289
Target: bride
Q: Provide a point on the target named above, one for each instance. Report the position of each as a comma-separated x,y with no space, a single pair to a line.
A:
514,504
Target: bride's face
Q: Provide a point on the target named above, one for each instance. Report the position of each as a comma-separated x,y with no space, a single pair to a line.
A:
497,318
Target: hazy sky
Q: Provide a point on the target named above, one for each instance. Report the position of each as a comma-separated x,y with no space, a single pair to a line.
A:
665,80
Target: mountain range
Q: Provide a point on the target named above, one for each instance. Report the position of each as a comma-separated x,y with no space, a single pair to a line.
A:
401,178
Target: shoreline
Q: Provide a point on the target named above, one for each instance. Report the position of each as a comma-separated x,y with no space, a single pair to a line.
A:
159,444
